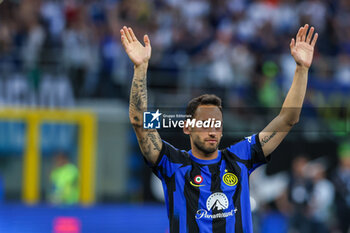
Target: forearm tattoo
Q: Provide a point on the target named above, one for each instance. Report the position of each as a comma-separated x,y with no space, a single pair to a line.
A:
149,139
150,143
154,137
266,139
138,96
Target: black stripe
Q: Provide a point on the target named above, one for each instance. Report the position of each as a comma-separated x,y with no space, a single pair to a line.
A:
192,198
235,158
257,155
219,224
257,152
173,220
237,199
175,225
175,155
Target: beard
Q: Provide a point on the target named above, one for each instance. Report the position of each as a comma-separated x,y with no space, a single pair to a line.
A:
202,147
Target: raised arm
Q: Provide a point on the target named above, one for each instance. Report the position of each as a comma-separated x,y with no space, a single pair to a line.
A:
149,139
302,50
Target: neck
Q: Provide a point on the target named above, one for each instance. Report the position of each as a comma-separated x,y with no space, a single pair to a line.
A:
201,155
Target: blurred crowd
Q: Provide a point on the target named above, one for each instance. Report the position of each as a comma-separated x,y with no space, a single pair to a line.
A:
54,51
313,197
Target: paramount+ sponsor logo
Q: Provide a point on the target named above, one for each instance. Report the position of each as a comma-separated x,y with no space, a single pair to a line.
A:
215,202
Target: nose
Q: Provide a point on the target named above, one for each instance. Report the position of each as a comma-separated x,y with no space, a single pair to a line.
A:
212,134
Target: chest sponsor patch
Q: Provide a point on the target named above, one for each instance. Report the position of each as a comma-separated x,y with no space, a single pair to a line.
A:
216,202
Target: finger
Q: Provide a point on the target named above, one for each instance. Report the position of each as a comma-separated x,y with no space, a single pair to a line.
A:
132,34
124,42
303,32
298,37
123,36
147,41
127,34
124,39
303,35
309,36
292,43
314,40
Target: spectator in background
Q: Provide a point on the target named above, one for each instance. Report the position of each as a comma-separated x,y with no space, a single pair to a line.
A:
221,70
64,179
275,218
18,92
55,92
343,70
2,190
300,193
77,47
35,34
322,198
7,54
2,96
52,13
341,180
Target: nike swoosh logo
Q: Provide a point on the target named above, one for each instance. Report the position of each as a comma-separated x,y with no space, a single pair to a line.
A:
196,185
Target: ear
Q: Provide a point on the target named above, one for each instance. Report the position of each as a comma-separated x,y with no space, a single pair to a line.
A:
186,130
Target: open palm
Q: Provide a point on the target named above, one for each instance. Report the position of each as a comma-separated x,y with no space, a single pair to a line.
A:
138,53
303,48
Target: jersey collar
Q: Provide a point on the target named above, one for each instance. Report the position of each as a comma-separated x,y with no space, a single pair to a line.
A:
203,161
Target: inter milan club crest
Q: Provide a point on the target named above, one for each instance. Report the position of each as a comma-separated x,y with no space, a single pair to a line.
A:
230,179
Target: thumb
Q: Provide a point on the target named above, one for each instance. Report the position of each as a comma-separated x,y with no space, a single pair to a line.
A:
147,41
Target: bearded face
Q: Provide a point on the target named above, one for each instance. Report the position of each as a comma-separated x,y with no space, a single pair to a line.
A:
206,145
206,139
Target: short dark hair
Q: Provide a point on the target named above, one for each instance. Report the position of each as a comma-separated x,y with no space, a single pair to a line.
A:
205,99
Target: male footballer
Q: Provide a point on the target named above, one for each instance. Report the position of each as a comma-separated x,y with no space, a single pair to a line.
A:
207,189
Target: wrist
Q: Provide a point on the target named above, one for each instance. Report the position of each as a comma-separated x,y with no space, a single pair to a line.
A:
143,65
302,68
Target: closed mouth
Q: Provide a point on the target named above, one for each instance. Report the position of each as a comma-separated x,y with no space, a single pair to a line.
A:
211,140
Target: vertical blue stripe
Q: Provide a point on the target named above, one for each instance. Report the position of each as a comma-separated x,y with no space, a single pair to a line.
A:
245,200
167,167
166,197
230,221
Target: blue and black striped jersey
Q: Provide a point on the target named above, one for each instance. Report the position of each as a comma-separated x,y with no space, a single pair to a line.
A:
209,195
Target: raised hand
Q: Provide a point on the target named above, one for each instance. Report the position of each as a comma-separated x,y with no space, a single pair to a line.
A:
138,53
302,49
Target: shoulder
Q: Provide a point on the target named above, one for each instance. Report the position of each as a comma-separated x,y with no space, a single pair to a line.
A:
172,154
245,145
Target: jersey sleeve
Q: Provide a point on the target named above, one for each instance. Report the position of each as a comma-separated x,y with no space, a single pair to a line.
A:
169,160
249,152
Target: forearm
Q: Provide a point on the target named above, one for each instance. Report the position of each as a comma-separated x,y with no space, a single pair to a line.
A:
149,139
138,95
302,48
273,134
293,103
